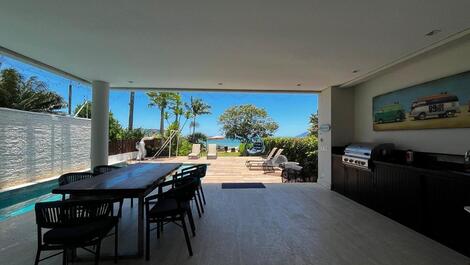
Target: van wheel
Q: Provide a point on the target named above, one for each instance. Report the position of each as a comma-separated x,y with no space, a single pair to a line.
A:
398,119
450,114
422,116
381,121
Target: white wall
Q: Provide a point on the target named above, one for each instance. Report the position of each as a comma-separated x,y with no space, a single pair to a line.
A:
37,145
450,59
335,108
342,116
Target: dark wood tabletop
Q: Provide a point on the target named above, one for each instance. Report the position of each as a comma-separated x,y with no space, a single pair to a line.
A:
133,180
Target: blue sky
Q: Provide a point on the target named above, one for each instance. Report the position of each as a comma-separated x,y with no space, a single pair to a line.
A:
290,111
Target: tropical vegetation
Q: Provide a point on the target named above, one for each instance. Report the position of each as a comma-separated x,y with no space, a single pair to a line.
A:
31,94
116,131
302,150
162,100
247,122
313,124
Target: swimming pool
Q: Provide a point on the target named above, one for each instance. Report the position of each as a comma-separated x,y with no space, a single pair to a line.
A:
22,200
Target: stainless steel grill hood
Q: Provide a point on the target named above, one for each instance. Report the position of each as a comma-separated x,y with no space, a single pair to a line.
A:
361,155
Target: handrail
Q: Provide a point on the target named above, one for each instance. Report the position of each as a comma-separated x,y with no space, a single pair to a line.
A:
166,143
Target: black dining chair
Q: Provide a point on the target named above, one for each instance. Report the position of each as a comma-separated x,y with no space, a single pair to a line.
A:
101,169
201,170
73,177
74,224
172,206
77,176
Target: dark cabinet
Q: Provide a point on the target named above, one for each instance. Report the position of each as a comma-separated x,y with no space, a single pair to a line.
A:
446,221
354,183
337,171
399,194
428,201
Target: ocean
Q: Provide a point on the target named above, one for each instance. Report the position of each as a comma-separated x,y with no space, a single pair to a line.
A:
225,142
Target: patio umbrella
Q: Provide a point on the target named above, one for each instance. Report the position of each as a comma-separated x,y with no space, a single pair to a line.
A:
217,137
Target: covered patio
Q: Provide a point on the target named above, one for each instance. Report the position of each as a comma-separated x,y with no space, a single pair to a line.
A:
346,52
282,224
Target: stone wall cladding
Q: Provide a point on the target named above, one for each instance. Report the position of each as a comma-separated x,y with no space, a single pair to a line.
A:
34,146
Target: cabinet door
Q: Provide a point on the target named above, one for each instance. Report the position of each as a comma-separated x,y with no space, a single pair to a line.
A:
399,194
446,221
365,189
350,181
337,175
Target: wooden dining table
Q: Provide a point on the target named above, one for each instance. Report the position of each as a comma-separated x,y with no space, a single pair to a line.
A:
134,181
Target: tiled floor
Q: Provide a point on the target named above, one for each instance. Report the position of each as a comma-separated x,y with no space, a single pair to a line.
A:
282,224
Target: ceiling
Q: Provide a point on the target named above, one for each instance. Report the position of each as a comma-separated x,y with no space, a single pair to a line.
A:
243,44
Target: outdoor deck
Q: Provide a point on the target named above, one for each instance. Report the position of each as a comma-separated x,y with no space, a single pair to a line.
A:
228,169
300,223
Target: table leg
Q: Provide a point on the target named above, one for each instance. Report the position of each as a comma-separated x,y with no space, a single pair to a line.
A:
140,227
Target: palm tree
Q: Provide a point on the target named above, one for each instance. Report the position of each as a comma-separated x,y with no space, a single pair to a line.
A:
177,109
30,94
161,100
197,108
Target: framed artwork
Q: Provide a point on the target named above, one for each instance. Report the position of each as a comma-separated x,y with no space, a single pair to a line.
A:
441,103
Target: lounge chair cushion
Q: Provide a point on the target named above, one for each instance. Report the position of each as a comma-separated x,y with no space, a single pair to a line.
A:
80,233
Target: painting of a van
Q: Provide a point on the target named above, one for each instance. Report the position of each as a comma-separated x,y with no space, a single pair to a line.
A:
436,106
390,113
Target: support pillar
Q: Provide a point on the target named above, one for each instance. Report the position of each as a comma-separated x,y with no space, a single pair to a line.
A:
99,123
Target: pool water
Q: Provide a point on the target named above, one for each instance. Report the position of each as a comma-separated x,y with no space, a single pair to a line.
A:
22,200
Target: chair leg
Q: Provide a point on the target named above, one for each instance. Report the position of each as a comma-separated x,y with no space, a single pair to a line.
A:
186,236
116,243
191,221
202,193
64,257
132,202
197,206
97,253
38,256
159,224
147,239
200,201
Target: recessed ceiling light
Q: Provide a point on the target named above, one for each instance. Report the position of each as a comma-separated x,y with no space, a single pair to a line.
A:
220,84
299,84
356,71
130,81
432,32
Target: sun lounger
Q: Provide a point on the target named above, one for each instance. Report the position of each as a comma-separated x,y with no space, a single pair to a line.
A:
212,151
270,156
266,162
196,151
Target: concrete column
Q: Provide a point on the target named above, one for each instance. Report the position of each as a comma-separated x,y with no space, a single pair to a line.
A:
99,123
324,138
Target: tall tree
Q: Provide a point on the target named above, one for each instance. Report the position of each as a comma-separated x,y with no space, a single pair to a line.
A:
313,120
177,109
245,122
161,100
30,94
197,107
131,111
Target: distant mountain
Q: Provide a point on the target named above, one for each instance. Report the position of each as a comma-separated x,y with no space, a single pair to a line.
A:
305,134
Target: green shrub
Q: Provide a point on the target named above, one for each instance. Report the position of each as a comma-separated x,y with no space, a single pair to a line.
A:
242,149
184,147
302,150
